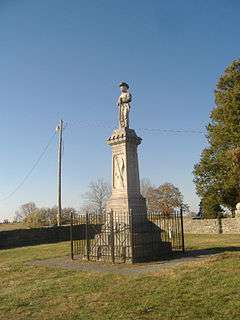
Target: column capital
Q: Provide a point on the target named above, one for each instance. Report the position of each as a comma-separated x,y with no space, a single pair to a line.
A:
124,135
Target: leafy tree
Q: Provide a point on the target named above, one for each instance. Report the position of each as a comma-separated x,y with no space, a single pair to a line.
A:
35,219
211,207
164,198
217,175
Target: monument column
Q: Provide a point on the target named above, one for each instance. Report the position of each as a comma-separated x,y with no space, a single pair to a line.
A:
124,141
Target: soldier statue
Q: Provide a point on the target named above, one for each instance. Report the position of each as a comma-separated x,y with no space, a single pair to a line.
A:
124,105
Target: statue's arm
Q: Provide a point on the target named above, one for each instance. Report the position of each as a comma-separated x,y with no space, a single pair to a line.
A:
119,101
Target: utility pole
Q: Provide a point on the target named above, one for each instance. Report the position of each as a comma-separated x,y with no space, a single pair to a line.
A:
182,228
59,131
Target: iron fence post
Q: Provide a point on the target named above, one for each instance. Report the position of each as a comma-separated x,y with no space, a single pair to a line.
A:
71,235
131,234
87,237
182,229
112,236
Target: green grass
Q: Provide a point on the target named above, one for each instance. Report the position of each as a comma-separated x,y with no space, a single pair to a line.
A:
204,241
207,289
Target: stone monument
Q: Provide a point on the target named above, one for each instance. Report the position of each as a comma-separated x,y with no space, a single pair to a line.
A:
126,201
125,170
125,232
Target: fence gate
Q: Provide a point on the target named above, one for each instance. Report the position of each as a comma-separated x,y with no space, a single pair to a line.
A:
115,237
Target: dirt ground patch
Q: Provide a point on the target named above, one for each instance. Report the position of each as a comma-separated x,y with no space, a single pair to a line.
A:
190,258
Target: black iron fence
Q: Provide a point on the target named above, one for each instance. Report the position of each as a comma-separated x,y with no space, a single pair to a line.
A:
171,226
127,237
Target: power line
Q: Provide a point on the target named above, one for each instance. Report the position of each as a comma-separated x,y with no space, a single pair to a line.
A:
98,124
31,170
173,130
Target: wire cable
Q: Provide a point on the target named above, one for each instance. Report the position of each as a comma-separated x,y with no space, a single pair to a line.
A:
98,124
173,130
31,170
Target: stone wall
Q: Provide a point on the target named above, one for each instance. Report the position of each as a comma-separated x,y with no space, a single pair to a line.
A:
208,226
29,237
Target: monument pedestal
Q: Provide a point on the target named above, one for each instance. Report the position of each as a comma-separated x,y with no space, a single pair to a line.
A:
126,194
127,203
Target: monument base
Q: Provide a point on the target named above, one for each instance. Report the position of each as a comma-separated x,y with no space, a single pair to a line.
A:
147,243
124,238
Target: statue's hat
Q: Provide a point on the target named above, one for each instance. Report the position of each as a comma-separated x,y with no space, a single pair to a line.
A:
123,84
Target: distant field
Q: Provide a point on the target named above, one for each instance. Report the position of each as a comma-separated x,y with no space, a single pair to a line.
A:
11,226
206,289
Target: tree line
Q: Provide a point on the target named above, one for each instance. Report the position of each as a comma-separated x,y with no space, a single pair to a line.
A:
163,198
32,216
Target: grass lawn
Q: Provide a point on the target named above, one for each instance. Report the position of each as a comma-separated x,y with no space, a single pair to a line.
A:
209,289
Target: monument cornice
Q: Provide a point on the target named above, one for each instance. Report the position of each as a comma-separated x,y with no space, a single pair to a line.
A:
124,135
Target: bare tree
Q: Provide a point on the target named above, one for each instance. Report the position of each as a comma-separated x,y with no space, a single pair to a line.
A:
24,211
97,195
145,185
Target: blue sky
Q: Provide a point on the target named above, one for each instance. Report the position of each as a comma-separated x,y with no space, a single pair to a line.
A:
64,59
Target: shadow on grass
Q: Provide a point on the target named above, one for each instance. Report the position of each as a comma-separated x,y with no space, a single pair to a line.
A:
195,253
210,251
